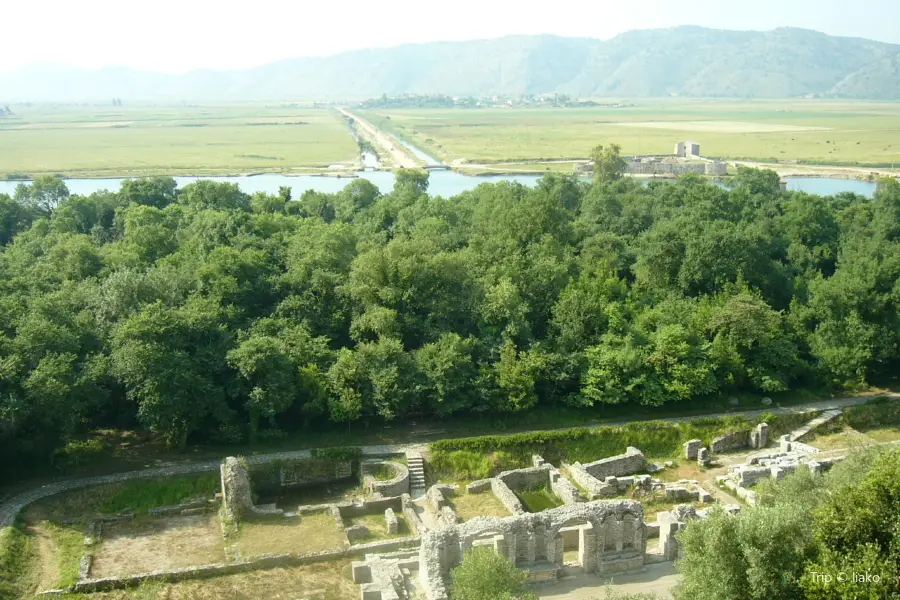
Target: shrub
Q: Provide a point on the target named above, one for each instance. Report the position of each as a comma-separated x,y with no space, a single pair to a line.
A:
485,575
879,412
349,453
141,496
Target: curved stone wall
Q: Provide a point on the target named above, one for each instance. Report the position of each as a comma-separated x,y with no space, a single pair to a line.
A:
396,486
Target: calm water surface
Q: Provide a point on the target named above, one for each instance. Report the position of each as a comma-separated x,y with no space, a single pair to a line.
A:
441,183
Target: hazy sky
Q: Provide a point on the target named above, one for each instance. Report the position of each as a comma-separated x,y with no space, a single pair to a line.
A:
180,35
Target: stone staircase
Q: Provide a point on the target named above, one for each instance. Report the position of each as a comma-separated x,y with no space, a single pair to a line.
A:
416,465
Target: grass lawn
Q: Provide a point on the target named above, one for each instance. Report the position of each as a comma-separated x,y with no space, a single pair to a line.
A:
846,437
818,131
884,434
538,500
468,506
309,533
106,141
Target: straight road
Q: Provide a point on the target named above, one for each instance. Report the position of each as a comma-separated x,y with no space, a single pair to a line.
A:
385,144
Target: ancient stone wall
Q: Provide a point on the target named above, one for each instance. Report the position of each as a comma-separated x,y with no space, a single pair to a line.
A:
564,488
396,486
730,441
412,517
633,461
653,167
375,506
237,495
506,496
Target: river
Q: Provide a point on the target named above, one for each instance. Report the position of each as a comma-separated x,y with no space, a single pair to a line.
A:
441,183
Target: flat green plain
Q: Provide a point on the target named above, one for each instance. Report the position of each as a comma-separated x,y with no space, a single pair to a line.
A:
97,141
809,131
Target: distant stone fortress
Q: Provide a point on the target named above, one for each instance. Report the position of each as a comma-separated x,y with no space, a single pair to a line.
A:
686,159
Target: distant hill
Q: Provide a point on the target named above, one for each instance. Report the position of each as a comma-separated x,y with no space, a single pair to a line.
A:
684,61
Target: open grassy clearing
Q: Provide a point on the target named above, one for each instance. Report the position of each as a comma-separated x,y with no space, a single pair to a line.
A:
884,434
309,533
152,140
468,506
845,438
162,543
320,581
814,131
538,500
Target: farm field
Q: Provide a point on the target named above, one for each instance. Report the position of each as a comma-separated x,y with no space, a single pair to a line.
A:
818,132
109,141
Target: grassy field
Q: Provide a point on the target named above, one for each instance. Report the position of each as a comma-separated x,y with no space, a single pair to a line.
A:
106,141
822,132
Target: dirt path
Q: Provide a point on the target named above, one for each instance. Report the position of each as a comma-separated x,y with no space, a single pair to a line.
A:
658,579
47,563
395,153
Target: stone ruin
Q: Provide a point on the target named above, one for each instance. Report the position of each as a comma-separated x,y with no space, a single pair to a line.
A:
776,464
611,539
542,474
758,437
397,485
670,523
607,477
237,495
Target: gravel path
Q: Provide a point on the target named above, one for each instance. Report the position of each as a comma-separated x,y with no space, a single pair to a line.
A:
11,506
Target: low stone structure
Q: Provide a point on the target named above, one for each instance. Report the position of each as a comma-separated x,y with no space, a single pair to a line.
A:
356,532
397,485
504,485
391,522
633,461
382,577
703,458
691,448
612,539
745,438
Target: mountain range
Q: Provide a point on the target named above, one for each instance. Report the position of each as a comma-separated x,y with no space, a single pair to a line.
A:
682,61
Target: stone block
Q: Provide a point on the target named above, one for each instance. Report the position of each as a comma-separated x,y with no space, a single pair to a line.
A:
356,532
361,572
703,458
391,522
763,435
691,448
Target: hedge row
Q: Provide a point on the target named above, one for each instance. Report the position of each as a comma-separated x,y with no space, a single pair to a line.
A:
475,457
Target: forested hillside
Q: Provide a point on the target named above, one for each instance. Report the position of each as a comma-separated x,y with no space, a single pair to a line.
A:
205,314
682,61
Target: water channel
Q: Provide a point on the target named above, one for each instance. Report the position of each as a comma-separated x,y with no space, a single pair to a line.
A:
441,183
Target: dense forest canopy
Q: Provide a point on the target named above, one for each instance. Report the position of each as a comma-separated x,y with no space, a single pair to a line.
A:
203,313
